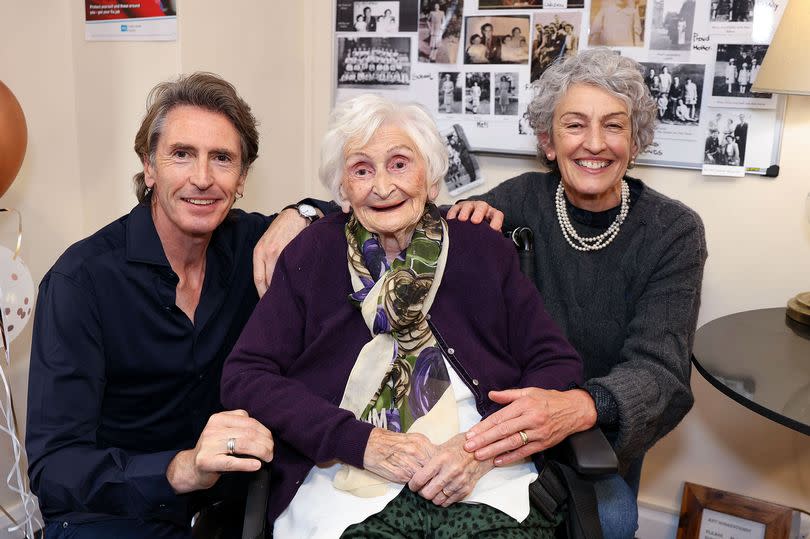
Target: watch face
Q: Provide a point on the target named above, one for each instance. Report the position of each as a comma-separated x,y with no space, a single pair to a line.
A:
307,211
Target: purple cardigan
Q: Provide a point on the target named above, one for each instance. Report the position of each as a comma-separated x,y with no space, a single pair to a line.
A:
290,366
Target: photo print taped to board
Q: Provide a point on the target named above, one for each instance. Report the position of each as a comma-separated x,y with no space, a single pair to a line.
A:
463,172
506,87
726,138
677,90
617,23
672,24
496,40
450,92
440,24
736,68
381,16
373,62
477,93
556,36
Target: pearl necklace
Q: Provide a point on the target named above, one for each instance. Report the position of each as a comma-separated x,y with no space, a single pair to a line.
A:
596,242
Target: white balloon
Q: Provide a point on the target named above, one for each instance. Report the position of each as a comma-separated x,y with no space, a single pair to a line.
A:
16,293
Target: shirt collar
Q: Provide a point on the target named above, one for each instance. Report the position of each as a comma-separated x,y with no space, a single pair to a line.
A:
143,242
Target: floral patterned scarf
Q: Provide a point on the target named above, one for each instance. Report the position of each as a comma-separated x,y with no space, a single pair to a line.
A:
416,376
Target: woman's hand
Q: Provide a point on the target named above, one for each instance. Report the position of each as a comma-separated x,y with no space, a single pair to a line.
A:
476,211
451,475
546,417
396,456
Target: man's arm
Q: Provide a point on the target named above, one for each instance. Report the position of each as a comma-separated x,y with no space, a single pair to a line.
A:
69,472
70,469
287,225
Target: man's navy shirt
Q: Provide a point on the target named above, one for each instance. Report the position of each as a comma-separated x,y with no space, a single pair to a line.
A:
120,378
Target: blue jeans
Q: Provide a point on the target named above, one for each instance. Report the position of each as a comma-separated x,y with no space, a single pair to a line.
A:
119,528
616,499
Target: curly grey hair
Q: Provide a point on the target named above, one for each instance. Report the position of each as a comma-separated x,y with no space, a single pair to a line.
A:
601,67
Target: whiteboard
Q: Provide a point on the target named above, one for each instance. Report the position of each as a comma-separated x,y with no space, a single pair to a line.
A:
700,48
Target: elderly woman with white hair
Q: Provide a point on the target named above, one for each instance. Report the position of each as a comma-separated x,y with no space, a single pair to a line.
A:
383,331
619,266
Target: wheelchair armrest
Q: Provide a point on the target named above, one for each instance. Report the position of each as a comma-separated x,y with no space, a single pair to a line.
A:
589,453
256,505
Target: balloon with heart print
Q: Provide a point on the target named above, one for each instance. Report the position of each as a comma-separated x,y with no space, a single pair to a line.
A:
16,293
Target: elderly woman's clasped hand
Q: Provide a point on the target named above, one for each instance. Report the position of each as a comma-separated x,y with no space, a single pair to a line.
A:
444,473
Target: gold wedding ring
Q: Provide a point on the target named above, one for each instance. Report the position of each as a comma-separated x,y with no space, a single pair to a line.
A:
446,494
524,437
231,445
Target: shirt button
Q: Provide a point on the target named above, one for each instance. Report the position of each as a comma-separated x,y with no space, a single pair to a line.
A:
451,351
65,524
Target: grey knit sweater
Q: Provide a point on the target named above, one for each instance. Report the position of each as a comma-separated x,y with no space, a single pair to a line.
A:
630,309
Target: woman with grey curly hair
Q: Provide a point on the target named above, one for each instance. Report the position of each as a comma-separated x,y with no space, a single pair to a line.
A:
619,266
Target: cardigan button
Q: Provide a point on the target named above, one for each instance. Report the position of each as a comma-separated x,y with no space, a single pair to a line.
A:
475,381
427,316
451,351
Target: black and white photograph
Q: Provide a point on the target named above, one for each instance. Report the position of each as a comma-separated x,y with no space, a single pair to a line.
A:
440,30
617,23
450,93
463,172
677,90
383,16
731,11
506,86
672,23
477,94
556,36
735,70
496,40
373,62
524,126
726,138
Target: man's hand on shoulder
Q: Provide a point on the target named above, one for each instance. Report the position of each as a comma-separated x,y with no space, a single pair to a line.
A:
476,211
286,226
199,468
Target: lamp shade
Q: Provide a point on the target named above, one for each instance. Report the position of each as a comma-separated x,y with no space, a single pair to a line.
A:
783,71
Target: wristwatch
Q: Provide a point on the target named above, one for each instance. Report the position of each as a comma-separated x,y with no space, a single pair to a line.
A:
306,211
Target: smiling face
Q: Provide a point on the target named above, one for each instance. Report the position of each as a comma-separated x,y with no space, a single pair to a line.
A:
591,140
196,173
385,183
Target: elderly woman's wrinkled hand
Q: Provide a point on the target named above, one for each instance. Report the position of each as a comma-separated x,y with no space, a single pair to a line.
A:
545,417
396,456
451,475
476,211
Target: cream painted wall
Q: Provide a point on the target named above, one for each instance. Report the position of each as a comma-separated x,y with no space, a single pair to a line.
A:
36,63
84,101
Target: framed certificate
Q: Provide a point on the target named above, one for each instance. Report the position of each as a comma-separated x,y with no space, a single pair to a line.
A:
715,514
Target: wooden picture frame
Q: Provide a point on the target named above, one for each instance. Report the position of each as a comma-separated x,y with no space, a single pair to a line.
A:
776,519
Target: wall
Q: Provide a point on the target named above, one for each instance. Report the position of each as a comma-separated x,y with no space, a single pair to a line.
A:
36,63
84,101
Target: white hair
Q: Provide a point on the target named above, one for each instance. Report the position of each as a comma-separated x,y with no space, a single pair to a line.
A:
357,120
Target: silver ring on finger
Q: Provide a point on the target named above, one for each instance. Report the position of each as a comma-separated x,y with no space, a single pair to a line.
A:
524,437
231,445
